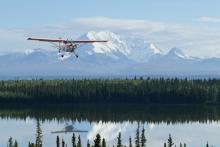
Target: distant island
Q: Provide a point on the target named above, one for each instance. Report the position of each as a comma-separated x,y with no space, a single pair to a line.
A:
111,91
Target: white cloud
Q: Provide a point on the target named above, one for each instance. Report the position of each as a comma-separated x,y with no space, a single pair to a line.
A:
209,19
109,130
122,24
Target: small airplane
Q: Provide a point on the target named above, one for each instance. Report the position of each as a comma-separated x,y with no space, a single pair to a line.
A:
66,46
69,129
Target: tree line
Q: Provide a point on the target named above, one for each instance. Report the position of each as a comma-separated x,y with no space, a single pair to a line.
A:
111,91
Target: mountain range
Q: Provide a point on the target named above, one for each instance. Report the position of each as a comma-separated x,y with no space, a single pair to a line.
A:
121,55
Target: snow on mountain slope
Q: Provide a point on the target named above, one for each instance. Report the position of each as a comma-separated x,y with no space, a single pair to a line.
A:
176,53
140,49
114,48
118,46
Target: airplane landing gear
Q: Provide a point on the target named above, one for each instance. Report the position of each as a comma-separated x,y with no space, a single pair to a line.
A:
77,56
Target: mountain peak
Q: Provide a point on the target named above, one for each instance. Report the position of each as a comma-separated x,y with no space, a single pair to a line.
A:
119,46
155,49
114,48
176,52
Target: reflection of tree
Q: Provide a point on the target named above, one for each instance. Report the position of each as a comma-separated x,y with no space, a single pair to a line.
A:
97,141
16,143
39,135
115,113
58,141
73,140
130,142
88,144
103,142
119,144
12,143
137,138
63,143
170,141
79,144
143,138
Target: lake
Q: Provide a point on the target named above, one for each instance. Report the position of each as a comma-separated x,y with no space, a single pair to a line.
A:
193,125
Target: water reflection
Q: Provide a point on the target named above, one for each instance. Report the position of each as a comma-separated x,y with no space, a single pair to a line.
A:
114,113
69,129
194,125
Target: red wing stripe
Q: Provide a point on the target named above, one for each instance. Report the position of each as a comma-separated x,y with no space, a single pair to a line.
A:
61,40
46,40
89,41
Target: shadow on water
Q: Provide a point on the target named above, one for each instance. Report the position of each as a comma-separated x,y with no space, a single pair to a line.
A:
114,113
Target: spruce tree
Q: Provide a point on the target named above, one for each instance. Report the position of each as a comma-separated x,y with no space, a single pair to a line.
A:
31,145
38,142
170,141
73,140
130,142
119,144
63,143
88,144
16,143
79,142
207,144
97,141
10,142
165,145
103,142
58,141
137,138
143,138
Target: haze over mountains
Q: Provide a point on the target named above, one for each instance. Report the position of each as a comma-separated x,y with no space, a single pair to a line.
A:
122,55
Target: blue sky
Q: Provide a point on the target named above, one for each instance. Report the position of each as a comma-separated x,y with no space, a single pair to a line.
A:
26,13
193,26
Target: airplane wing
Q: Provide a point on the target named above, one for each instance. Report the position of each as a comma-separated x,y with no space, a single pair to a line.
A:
46,40
88,41
77,131
65,41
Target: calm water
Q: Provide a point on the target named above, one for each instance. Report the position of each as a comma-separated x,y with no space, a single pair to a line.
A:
194,125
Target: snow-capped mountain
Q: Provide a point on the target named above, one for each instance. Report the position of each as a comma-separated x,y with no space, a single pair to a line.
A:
121,55
119,46
176,53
